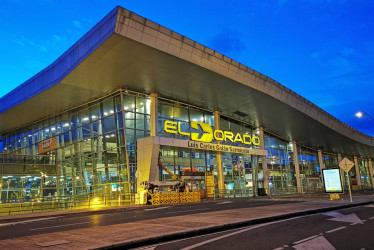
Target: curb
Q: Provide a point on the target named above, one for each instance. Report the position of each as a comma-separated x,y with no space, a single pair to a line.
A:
223,227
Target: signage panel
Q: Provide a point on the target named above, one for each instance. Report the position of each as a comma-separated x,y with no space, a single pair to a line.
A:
209,182
208,134
332,181
346,165
47,145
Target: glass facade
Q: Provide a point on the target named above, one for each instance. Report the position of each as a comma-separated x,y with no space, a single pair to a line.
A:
310,169
364,173
95,153
95,145
280,163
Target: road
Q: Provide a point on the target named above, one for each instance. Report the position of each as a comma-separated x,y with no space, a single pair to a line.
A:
15,229
351,228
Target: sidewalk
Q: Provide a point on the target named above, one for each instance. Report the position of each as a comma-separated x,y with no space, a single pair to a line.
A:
155,230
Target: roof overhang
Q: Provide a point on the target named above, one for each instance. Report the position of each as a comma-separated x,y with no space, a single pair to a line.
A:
121,61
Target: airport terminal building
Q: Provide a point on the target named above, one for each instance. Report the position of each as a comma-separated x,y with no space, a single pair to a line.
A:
132,95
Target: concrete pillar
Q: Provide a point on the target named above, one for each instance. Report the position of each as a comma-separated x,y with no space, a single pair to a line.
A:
358,175
297,168
322,166
154,114
342,173
371,172
266,172
221,185
320,159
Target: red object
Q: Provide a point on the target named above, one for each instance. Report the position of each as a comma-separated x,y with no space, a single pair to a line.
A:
189,169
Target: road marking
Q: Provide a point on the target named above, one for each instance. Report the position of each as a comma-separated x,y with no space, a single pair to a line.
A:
334,230
371,218
306,239
225,202
66,225
157,208
52,243
28,221
369,206
349,218
238,232
319,242
191,210
279,248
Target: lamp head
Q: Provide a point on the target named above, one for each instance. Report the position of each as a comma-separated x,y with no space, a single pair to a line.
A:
359,114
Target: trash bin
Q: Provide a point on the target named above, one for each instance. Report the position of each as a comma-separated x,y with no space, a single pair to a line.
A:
261,192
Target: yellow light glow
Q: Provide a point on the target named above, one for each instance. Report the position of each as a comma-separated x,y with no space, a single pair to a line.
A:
359,114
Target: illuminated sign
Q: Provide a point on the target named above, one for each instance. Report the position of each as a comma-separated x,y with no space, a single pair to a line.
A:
47,145
209,134
332,181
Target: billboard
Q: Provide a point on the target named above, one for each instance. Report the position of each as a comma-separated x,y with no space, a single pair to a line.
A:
332,180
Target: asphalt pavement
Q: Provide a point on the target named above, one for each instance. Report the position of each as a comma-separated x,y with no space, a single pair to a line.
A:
131,227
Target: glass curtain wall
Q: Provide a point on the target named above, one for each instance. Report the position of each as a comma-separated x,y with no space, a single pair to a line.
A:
239,171
330,160
281,165
364,173
310,169
92,142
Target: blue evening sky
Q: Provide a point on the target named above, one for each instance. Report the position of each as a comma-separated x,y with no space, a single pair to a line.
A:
321,49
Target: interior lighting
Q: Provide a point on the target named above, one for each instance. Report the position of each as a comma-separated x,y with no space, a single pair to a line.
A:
111,111
85,119
53,129
105,113
66,125
94,117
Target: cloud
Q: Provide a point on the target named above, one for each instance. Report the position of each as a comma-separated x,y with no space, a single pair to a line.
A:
78,24
57,37
227,42
24,41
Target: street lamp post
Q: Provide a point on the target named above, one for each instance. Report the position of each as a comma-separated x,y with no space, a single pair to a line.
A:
361,113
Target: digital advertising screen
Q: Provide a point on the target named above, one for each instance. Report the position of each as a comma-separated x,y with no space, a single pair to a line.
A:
332,181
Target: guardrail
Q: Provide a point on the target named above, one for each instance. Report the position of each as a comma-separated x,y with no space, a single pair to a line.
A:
63,203
174,198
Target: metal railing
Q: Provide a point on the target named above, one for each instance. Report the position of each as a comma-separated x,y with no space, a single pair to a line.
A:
47,204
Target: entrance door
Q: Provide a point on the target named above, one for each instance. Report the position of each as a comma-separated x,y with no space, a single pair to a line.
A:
238,175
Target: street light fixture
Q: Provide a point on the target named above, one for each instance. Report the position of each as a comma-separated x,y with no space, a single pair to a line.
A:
361,113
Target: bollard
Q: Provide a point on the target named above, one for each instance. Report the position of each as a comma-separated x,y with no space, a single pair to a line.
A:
10,207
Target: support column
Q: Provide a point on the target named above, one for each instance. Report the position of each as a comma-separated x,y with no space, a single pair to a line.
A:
221,185
358,176
320,159
371,172
297,168
154,114
342,173
266,172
